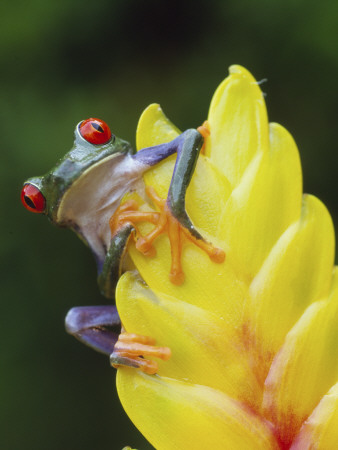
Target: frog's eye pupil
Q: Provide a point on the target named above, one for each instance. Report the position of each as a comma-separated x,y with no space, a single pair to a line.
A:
95,131
97,127
29,202
33,199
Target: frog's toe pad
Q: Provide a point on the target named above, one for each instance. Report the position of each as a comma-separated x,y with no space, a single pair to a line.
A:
176,277
131,350
217,255
145,247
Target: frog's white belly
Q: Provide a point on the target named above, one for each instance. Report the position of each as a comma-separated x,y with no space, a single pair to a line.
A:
91,201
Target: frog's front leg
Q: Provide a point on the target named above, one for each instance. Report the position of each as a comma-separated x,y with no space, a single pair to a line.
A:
99,326
172,218
111,270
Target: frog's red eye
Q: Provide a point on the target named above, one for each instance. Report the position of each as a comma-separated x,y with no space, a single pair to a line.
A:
95,131
32,198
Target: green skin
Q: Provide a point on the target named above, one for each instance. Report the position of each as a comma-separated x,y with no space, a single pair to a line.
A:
83,191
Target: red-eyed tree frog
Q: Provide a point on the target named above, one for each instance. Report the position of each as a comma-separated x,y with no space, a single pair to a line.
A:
83,192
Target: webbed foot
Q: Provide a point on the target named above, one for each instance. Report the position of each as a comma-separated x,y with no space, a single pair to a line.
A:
165,222
131,349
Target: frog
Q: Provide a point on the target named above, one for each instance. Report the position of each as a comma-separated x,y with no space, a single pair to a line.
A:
85,192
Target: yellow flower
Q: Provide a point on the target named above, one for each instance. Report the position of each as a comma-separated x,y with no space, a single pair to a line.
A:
254,339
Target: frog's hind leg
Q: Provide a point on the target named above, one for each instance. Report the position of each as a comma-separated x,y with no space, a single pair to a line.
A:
96,326
132,349
99,327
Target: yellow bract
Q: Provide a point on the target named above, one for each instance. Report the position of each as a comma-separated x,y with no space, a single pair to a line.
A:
310,348
200,355
254,339
180,415
238,124
320,430
268,197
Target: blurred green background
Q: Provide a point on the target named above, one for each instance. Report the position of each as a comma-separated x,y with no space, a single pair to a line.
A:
67,60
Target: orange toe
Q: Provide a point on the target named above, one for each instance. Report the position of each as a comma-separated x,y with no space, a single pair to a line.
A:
132,349
164,222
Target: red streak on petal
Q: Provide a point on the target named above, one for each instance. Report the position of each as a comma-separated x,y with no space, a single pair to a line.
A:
285,429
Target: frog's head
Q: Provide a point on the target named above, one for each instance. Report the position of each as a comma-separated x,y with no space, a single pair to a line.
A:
77,191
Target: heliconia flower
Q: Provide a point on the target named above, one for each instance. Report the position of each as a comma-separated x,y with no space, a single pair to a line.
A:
254,340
